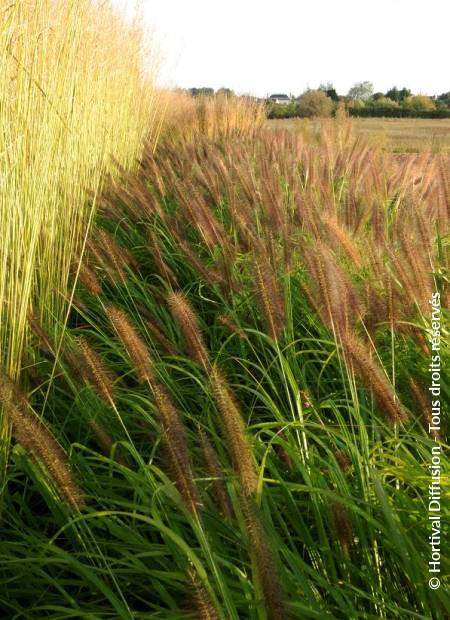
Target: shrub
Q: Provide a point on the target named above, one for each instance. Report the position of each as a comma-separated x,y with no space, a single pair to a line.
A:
384,102
419,103
400,112
276,110
315,103
356,104
361,90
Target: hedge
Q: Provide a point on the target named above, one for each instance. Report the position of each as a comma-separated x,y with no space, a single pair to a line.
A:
397,112
291,111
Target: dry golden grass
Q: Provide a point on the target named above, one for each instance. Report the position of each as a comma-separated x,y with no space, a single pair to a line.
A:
215,117
73,95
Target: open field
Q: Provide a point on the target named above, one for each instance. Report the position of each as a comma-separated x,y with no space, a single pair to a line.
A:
396,134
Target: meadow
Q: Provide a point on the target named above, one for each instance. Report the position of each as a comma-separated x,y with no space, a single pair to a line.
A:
402,135
215,395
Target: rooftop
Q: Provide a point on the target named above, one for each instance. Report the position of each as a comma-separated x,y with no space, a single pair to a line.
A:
279,97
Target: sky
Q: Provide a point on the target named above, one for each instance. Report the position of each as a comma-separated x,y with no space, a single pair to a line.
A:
285,46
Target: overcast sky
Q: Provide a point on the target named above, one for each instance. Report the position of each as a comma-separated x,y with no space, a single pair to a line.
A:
262,46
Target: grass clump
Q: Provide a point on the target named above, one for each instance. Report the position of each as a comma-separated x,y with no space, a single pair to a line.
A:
216,117
266,327
74,93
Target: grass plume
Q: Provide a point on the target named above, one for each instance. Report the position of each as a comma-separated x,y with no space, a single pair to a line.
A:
188,322
234,430
133,344
39,442
374,379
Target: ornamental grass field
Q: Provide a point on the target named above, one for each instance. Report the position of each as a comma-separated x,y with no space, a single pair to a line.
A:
215,355
236,422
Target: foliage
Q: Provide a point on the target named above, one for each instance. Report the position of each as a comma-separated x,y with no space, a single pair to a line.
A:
239,392
361,90
400,112
398,95
356,104
419,103
384,102
330,91
444,98
202,92
278,110
362,101
315,103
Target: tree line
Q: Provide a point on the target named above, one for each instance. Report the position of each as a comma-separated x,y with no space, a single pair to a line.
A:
361,100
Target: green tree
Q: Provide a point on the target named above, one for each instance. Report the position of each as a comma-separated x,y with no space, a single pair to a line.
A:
398,95
361,90
315,103
419,103
384,102
356,103
329,90
196,92
444,98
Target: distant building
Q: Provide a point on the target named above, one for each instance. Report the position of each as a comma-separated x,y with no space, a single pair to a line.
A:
281,99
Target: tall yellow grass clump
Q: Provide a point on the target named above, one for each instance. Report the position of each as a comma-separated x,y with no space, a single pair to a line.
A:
72,93
215,117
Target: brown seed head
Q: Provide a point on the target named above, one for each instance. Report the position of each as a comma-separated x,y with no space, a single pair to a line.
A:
342,525
264,560
215,471
39,442
133,344
269,297
373,378
100,376
233,426
176,449
183,312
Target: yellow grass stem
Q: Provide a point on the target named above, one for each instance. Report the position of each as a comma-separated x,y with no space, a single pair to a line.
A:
73,92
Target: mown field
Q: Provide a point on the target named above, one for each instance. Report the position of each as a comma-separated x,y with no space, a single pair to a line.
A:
397,134
215,349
